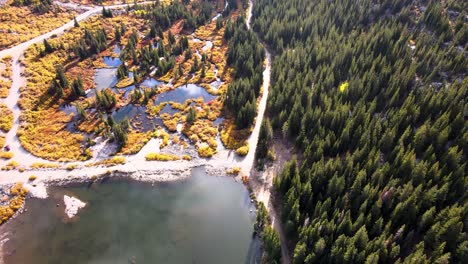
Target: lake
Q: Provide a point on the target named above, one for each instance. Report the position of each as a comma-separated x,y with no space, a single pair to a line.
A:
203,219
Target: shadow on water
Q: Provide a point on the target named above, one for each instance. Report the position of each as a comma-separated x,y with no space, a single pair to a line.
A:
203,219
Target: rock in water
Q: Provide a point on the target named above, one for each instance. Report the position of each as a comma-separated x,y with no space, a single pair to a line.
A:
72,205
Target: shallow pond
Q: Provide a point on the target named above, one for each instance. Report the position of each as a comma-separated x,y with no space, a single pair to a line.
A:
204,219
183,93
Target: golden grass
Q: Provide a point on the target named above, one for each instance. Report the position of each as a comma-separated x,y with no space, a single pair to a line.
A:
19,24
44,134
161,157
135,141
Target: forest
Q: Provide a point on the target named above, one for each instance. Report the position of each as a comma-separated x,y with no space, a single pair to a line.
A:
246,55
373,95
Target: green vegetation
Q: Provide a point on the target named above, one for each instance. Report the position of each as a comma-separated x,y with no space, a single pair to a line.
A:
246,55
373,94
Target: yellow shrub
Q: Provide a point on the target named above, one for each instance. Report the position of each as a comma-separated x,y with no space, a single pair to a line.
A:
235,171
243,151
6,118
6,155
161,157
71,167
32,177
41,165
16,202
205,151
108,162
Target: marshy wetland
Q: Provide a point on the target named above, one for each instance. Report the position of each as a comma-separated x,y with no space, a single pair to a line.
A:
121,94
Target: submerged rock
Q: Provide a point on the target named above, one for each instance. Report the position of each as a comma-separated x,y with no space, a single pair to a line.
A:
72,205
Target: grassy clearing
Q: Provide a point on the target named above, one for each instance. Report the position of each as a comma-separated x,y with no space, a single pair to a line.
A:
44,134
19,24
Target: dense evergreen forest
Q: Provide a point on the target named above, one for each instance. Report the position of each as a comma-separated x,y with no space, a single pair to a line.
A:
246,55
373,94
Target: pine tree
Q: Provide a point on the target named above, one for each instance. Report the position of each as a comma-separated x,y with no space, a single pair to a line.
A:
75,23
47,47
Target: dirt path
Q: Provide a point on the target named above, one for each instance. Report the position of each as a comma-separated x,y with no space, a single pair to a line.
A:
262,182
